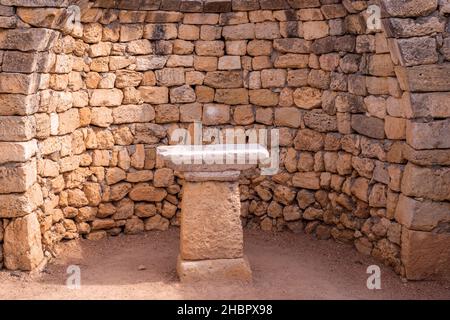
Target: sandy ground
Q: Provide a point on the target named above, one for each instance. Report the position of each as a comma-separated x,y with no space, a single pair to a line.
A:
285,266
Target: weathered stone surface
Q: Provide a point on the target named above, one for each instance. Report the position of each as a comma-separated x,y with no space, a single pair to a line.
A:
403,28
214,114
368,126
425,255
210,215
424,78
133,114
154,95
426,157
146,192
416,51
413,8
17,205
18,104
422,215
19,83
17,151
307,98
17,128
156,223
106,98
224,79
307,180
423,182
17,178
308,140
320,121
217,270
22,243
421,105
428,135
37,39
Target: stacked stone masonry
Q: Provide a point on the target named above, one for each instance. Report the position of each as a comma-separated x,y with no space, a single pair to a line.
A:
364,119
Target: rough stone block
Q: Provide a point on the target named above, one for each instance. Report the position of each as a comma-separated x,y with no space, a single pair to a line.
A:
14,128
425,255
218,270
106,98
18,104
422,215
426,182
424,78
154,95
215,114
17,151
22,244
428,135
32,39
133,113
412,8
423,105
19,83
20,204
368,126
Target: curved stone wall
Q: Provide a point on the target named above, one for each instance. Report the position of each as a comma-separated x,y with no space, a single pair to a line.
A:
362,113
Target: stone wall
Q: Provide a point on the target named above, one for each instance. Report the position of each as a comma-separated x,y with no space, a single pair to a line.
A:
363,119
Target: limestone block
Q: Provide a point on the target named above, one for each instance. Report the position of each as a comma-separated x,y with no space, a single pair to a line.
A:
413,8
422,215
315,30
51,100
164,31
405,28
425,255
306,180
182,94
133,113
191,112
146,192
289,117
320,121
32,39
18,104
210,225
22,243
151,62
424,78
19,83
14,128
214,114
426,157
69,121
415,51
224,79
232,96
428,135
307,98
17,205
239,32
426,182
17,151
368,126
421,105
154,95
214,270
106,98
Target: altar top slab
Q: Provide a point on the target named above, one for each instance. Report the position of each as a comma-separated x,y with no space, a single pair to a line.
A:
214,157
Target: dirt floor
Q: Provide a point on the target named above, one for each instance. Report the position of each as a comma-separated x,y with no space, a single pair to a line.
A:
285,266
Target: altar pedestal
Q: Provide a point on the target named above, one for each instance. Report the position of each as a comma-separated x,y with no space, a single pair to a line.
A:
211,239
